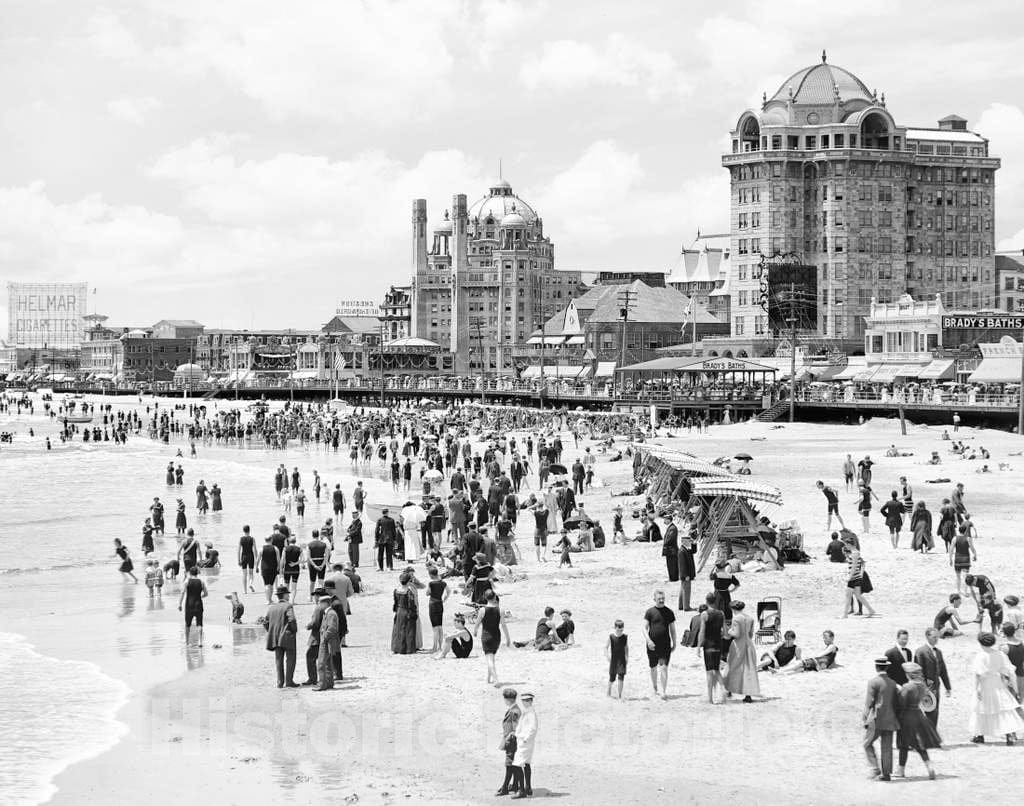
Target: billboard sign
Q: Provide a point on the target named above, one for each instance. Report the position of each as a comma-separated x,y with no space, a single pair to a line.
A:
46,314
359,307
789,293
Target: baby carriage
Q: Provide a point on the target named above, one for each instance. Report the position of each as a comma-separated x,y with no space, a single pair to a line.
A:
769,621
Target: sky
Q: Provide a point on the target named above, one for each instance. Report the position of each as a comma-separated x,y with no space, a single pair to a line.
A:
250,163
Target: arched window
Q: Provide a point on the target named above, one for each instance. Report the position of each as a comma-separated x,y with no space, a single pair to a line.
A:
742,354
874,132
750,134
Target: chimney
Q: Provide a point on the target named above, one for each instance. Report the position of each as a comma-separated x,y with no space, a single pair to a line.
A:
419,263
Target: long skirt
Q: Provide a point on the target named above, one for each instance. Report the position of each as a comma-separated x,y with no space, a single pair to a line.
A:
404,632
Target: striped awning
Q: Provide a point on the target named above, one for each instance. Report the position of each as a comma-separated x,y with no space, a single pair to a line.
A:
739,486
605,369
941,369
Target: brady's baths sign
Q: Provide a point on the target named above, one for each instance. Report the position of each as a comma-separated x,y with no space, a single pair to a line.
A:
719,364
983,322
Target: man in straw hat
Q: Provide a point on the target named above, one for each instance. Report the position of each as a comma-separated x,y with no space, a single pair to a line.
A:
880,720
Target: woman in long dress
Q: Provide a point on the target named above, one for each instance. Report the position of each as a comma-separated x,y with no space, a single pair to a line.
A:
742,675
405,629
995,705
916,730
921,526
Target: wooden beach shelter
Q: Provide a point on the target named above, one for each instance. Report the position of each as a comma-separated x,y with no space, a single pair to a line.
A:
722,507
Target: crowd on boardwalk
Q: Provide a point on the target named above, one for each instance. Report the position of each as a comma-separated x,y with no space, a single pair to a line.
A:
477,495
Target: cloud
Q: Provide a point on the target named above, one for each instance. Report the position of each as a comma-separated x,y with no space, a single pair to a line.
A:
605,197
133,110
360,63
566,65
1003,125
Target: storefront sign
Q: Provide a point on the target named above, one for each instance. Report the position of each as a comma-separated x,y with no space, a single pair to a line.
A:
983,322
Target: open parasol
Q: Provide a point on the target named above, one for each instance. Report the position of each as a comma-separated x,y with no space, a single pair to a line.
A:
744,457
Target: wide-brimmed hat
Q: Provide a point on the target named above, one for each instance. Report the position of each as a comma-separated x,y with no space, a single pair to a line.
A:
283,590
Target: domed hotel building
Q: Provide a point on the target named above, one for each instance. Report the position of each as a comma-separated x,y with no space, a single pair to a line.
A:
484,279
824,170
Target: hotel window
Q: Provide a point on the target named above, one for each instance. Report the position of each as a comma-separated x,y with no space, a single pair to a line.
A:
776,142
742,298
755,220
853,141
793,142
810,142
776,169
864,193
885,245
839,244
824,141
884,218
885,193
738,326
741,246
755,246
742,273
838,139
741,222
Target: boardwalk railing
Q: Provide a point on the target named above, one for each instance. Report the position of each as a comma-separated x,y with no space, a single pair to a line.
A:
936,397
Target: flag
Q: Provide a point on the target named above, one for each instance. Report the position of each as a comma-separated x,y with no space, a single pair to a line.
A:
339,361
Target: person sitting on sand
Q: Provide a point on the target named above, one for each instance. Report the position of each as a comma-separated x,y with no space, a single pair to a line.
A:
459,642
945,434
825,658
936,459
948,621
983,469
782,655
546,635
767,556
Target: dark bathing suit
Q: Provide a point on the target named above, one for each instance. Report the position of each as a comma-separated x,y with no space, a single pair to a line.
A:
247,555
194,601
268,565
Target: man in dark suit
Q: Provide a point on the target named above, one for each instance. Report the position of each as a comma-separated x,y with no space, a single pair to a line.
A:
897,656
880,720
670,548
384,538
933,669
281,629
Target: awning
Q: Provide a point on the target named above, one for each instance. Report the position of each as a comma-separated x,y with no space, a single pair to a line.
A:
850,372
103,376
941,369
605,369
305,374
909,371
554,372
864,374
997,369
575,340
831,372
886,373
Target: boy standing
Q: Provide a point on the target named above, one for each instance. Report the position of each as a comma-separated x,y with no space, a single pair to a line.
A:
617,652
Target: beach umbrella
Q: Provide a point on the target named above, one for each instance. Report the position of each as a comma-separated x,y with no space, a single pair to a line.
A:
557,470
744,457
433,475
574,523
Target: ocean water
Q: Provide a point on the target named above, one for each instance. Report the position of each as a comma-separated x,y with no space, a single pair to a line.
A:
77,639
52,714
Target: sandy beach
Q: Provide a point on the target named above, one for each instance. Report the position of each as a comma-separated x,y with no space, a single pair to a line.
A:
409,728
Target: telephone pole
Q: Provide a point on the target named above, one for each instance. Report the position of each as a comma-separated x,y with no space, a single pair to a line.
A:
477,324
627,299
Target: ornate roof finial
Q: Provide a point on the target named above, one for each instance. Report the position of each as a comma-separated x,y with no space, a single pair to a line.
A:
823,55
445,215
764,98
883,99
874,94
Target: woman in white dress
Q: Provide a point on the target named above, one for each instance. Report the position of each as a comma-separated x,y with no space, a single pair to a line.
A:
995,705
742,675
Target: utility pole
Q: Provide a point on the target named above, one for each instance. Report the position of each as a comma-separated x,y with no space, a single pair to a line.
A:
381,353
792,353
627,299
477,323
